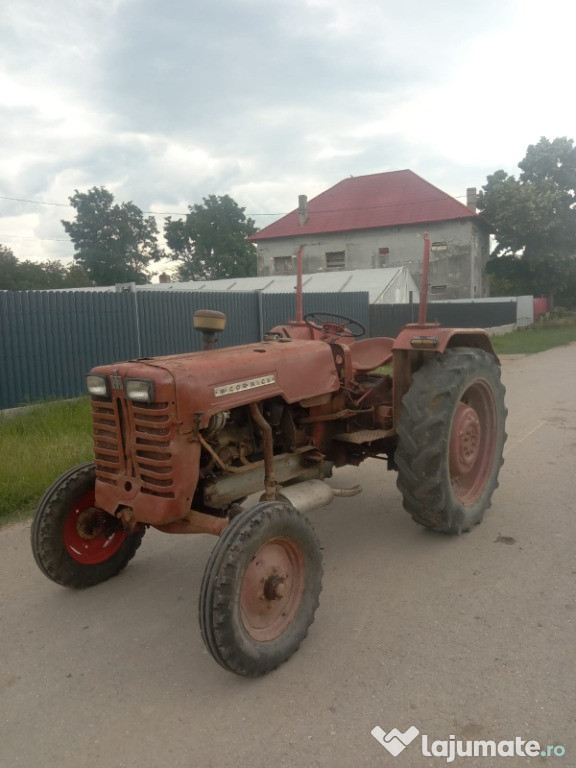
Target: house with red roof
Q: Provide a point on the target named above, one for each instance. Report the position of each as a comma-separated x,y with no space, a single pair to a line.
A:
375,221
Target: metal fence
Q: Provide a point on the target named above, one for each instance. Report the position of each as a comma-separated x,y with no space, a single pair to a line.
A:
388,319
49,340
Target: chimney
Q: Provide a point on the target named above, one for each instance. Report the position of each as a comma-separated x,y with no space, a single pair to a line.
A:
164,278
471,198
302,210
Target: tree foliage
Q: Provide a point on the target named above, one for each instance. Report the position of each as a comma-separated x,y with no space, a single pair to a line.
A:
27,275
534,219
210,243
113,242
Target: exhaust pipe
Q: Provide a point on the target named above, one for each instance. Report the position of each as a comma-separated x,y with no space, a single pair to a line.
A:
312,494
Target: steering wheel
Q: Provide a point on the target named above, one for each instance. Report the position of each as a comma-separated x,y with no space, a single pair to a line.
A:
337,328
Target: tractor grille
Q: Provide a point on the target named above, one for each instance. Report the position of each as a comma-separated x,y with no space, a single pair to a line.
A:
152,457
107,440
134,439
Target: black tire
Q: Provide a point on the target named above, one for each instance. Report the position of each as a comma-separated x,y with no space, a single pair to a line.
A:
246,626
61,553
451,434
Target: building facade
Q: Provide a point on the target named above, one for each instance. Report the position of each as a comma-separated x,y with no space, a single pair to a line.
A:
377,221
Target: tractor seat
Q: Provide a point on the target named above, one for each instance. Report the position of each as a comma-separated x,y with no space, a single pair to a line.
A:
368,354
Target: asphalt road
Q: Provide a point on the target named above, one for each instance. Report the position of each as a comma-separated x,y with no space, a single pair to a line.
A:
471,637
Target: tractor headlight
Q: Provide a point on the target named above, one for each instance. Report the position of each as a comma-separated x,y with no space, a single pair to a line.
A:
98,386
140,390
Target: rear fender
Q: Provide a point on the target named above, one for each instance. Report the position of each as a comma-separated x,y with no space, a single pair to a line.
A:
415,343
431,338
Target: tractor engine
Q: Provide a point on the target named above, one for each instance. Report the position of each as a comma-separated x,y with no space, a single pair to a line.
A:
235,445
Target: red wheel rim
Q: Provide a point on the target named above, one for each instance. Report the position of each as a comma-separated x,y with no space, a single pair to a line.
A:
472,442
272,589
93,550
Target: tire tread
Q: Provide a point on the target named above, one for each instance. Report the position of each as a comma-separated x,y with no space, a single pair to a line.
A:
423,437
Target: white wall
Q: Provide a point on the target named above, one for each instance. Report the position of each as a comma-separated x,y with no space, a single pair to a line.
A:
460,266
524,311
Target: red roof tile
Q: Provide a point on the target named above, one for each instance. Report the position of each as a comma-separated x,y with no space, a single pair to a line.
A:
367,202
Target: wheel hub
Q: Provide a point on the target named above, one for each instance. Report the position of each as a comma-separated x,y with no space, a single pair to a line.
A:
91,536
93,523
465,440
272,589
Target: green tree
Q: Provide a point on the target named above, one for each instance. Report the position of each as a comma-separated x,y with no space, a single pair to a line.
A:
210,243
113,243
76,277
8,270
28,275
534,220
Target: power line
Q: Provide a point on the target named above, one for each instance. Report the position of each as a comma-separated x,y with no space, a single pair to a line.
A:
25,237
35,202
325,210
151,213
180,213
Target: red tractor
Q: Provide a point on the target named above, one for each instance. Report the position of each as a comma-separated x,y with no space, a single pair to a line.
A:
181,441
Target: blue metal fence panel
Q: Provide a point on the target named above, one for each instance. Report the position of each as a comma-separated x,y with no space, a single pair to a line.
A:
388,319
49,340
166,320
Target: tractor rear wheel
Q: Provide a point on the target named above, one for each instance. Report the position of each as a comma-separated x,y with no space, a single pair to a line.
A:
260,589
450,440
75,544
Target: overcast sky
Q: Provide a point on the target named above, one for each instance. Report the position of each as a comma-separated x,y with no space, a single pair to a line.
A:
166,103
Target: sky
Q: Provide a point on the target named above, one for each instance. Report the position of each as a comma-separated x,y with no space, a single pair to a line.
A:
166,103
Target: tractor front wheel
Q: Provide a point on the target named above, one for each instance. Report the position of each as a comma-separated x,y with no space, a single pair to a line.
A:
75,544
450,440
261,588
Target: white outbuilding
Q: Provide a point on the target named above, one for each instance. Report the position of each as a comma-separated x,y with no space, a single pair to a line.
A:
390,285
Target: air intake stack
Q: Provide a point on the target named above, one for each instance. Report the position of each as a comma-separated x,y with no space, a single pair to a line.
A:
209,323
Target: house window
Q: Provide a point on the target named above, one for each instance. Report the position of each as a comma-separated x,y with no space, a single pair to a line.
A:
335,260
439,246
282,265
383,254
438,290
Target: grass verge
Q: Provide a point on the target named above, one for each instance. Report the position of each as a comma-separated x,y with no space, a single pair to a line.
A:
535,339
37,445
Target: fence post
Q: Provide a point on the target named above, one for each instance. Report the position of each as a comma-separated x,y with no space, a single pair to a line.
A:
260,315
137,317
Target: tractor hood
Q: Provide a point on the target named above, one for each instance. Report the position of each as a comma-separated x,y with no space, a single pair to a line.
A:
219,380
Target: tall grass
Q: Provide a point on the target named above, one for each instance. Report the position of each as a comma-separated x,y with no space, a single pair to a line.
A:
36,446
